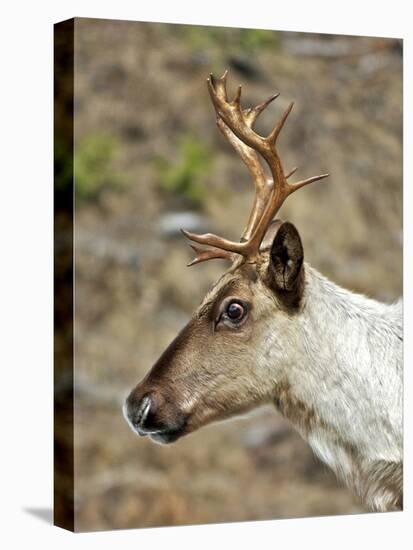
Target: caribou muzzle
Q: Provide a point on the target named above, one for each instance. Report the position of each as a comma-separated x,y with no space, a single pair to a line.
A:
152,414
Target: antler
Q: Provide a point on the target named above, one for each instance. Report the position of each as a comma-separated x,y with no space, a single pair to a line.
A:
237,125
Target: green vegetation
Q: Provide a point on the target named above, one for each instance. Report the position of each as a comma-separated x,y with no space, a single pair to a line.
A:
93,166
207,38
255,39
185,176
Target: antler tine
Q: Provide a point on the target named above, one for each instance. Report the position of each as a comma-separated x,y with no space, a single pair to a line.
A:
294,186
251,114
220,85
210,239
202,255
272,137
291,172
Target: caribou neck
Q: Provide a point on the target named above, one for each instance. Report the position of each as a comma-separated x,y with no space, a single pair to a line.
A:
348,358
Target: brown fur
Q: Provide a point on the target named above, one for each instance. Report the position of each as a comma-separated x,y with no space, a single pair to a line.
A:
203,363
292,408
385,477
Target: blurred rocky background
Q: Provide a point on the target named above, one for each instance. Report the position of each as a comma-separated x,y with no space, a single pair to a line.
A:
149,160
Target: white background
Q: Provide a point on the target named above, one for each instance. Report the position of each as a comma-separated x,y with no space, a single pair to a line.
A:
26,289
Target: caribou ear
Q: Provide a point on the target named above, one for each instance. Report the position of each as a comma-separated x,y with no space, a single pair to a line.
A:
285,269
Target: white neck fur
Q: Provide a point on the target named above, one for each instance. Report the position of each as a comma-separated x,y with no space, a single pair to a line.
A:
348,370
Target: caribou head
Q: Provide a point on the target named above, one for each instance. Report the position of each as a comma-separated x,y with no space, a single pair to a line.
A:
219,364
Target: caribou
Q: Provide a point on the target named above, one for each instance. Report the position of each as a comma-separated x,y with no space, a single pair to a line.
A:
273,330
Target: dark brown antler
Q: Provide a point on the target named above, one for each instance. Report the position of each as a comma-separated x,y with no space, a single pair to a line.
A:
237,126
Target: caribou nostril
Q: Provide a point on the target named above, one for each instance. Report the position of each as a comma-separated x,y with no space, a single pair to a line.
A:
143,411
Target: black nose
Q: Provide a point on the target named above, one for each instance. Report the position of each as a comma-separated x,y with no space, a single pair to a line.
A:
149,413
137,413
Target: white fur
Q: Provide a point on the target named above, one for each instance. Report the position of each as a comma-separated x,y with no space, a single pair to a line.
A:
342,357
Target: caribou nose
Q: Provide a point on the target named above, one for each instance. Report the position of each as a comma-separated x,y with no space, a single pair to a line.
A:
136,413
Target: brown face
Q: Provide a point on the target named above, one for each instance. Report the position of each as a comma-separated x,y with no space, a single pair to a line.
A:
210,371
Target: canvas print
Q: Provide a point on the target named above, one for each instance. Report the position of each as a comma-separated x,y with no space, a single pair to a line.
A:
258,372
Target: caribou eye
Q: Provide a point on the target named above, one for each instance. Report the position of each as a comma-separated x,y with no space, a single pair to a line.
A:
235,312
